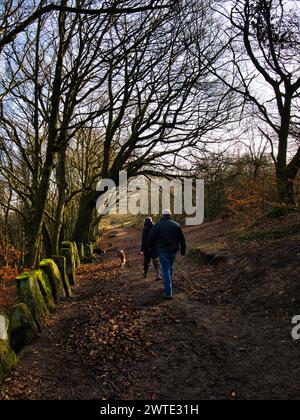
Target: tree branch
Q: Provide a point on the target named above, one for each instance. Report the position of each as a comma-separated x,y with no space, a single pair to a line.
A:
8,38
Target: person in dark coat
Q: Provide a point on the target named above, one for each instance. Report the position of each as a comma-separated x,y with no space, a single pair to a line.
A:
149,254
167,238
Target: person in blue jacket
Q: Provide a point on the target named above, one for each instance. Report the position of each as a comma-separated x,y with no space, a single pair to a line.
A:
167,238
149,254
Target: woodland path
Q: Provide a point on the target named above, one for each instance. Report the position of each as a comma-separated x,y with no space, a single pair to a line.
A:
118,339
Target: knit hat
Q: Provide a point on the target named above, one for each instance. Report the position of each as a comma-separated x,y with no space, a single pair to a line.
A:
167,212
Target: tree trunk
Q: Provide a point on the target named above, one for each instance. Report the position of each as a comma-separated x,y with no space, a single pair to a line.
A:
85,216
61,205
286,177
285,186
37,220
47,242
39,205
6,217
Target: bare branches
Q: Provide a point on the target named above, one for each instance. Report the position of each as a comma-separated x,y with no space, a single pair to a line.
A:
108,11
100,93
265,72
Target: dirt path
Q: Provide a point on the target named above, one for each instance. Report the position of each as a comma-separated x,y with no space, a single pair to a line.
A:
118,339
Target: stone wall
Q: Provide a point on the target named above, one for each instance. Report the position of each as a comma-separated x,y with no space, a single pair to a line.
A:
39,291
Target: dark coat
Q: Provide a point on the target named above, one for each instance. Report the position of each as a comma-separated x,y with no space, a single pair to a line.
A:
167,236
148,253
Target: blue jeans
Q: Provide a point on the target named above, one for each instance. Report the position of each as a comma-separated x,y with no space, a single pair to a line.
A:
167,261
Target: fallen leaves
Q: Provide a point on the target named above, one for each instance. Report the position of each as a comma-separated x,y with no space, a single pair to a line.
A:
107,343
8,297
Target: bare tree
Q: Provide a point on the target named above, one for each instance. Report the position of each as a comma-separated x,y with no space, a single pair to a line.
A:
163,101
138,84
265,70
60,69
57,84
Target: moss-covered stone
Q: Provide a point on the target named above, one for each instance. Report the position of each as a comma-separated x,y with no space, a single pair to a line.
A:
81,252
8,358
53,273
62,266
71,267
74,250
29,293
22,327
77,257
67,244
46,289
88,253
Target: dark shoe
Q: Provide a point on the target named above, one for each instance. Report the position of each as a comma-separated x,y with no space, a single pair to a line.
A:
168,297
145,275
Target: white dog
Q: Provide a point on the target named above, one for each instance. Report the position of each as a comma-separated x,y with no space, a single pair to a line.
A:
122,256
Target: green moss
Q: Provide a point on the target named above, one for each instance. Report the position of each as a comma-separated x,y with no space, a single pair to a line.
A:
29,293
70,263
77,257
67,244
74,250
80,248
46,289
22,327
53,273
8,358
62,266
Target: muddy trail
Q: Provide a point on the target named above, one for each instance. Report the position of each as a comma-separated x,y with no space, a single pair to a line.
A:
225,335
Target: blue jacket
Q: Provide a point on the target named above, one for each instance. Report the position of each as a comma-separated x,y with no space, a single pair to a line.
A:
167,236
148,253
